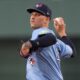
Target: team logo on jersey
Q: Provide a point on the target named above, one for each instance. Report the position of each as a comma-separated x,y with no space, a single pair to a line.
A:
32,61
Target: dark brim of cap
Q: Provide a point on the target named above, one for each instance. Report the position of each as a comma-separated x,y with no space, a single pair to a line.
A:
35,10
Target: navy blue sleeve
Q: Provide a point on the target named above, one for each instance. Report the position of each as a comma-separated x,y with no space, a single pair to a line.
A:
44,40
67,41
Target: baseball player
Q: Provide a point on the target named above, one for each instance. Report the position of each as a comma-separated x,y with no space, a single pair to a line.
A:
44,50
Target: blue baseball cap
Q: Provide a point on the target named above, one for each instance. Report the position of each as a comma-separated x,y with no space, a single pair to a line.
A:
41,8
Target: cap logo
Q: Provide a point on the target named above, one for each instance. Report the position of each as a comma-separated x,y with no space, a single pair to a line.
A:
47,13
38,5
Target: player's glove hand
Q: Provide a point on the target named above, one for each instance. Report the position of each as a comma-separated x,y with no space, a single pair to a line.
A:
25,49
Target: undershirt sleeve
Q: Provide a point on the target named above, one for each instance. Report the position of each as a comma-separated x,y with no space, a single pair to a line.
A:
67,41
43,40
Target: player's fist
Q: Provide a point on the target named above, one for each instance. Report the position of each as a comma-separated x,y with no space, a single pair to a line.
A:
25,49
59,25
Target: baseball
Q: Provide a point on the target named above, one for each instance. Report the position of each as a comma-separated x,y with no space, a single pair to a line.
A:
57,19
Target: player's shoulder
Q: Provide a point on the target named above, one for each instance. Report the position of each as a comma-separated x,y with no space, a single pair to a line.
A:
45,31
41,31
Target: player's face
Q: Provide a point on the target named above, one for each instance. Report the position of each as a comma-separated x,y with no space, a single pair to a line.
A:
37,20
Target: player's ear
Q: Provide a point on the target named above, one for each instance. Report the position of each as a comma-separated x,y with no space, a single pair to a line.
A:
48,18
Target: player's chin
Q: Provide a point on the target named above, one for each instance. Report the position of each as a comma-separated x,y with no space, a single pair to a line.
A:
34,27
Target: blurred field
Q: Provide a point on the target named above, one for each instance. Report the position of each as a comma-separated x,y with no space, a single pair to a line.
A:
12,66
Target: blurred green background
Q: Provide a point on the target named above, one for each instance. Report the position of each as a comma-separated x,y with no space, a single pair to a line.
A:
14,27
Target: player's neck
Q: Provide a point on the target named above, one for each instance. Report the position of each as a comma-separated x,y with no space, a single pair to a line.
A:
45,25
